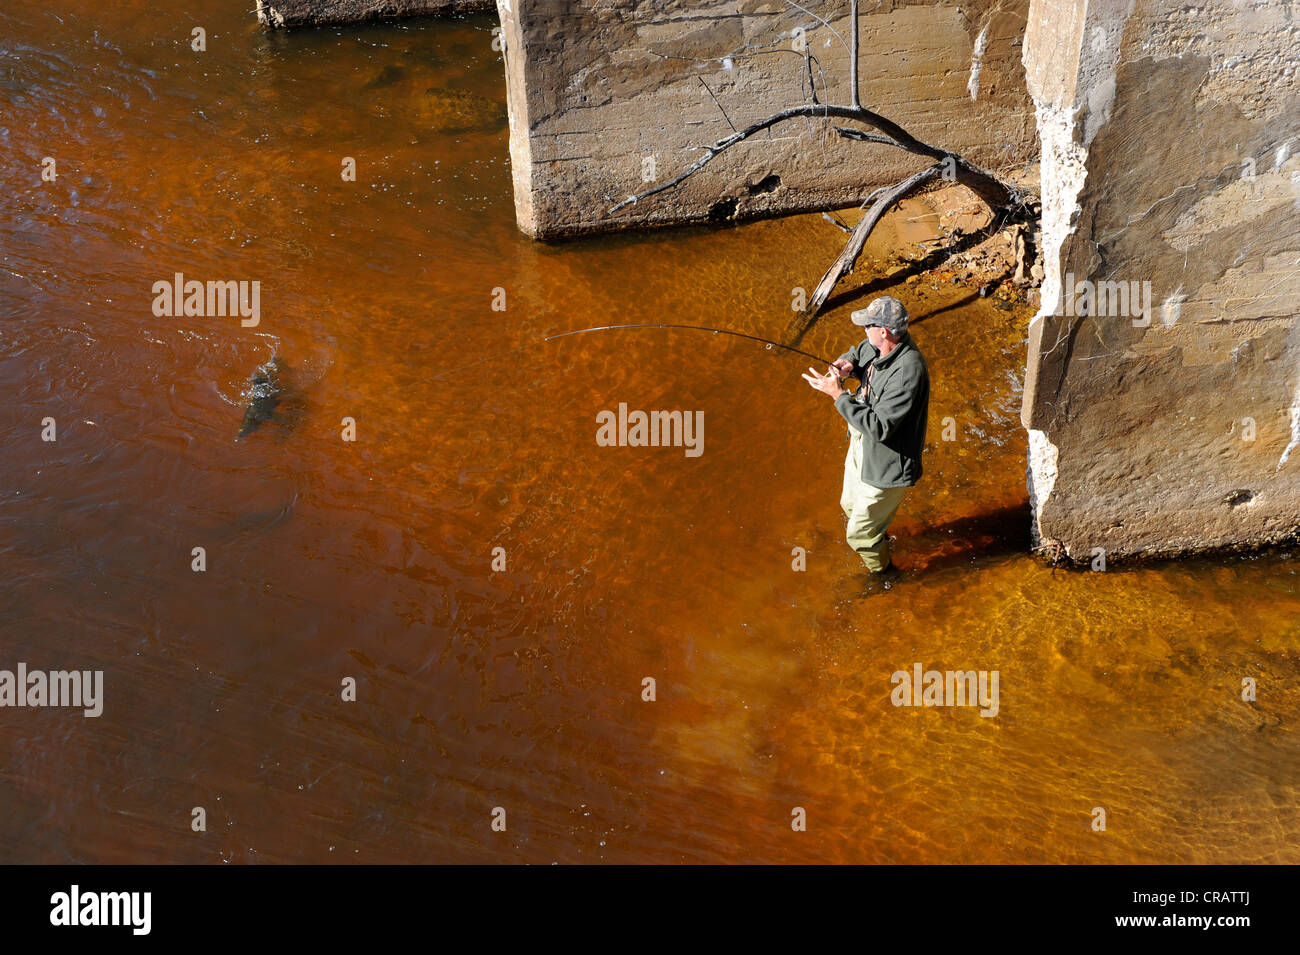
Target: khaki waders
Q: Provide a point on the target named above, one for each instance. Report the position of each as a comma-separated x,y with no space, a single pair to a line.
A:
870,510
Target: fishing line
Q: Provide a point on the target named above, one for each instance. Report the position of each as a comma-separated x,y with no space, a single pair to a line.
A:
507,356
699,328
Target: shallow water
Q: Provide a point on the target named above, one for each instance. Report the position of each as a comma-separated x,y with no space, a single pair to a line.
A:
521,688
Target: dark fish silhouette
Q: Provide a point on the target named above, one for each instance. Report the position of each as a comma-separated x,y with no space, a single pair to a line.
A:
263,396
387,77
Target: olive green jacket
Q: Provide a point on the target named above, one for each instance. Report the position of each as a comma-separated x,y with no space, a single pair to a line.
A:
890,413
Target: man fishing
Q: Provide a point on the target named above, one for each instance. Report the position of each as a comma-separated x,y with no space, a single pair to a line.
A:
887,418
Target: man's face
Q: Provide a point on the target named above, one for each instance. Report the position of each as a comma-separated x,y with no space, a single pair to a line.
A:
877,336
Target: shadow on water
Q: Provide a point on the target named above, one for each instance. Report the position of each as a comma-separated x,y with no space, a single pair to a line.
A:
998,533
960,303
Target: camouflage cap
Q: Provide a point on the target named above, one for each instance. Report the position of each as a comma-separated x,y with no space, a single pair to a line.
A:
886,312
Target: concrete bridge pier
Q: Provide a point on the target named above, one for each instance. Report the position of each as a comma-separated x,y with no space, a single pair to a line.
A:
1169,171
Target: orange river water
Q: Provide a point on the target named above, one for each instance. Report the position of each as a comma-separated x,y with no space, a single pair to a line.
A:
521,688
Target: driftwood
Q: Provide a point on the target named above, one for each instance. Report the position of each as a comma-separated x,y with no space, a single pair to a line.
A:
999,195
843,265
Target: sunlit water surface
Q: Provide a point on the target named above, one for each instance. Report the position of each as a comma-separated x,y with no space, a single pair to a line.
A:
522,688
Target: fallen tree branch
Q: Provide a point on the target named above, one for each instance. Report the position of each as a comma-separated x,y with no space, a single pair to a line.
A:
862,136
897,137
716,103
843,265
835,221
853,53
999,195
989,188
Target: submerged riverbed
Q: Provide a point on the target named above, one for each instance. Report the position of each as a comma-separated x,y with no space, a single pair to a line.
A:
498,584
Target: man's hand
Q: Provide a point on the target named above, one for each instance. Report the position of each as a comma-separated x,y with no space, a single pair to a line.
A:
827,384
843,366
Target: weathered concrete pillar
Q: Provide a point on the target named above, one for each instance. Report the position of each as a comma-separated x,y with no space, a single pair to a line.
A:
296,13
606,99
1170,421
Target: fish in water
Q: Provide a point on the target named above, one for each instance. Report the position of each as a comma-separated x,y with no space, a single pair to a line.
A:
263,395
387,77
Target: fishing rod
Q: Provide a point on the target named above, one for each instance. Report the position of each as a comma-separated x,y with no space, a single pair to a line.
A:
699,328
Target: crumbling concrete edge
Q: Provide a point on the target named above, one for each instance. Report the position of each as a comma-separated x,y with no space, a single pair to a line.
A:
521,160
287,14
1071,103
1063,171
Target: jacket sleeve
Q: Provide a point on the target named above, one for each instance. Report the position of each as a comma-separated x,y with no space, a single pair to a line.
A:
854,355
880,419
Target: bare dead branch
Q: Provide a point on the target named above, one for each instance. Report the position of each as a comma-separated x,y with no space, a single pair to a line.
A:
863,136
843,265
835,221
872,197
716,103
812,83
853,53
1001,197
898,137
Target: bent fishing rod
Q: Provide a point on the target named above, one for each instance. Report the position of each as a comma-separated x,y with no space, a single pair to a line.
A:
699,328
